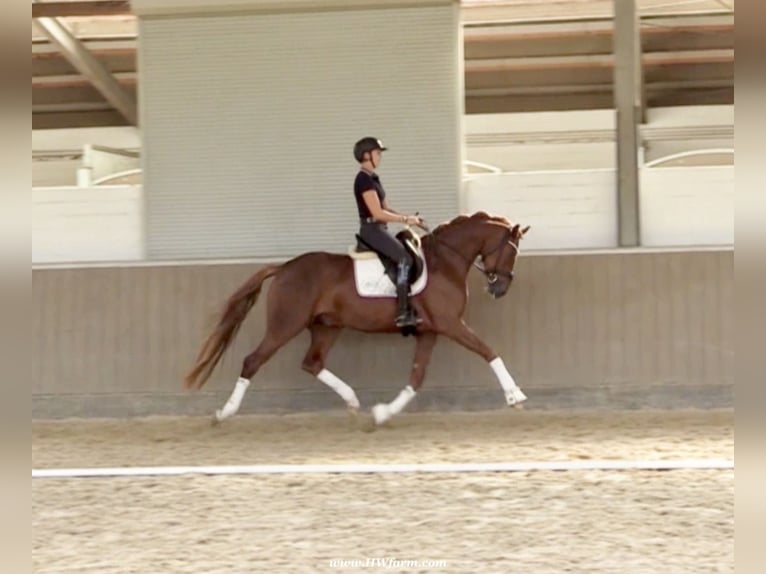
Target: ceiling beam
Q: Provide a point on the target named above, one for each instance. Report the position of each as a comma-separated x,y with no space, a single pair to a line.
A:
61,120
676,58
78,80
512,34
85,8
565,90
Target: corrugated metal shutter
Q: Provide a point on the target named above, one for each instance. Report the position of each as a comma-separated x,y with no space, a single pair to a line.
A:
248,123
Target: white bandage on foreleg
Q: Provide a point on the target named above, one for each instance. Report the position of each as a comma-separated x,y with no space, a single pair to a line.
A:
513,393
235,400
502,374
346,392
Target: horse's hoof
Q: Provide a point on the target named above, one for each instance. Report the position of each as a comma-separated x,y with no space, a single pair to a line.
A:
366,424
381,413
353,417
217,418
518,406
515,399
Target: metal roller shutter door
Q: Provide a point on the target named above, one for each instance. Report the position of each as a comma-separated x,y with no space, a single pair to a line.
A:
248,121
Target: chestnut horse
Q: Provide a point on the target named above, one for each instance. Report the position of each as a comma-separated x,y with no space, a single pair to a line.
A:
316,291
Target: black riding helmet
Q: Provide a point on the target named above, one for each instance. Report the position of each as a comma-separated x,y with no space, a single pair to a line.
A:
367,145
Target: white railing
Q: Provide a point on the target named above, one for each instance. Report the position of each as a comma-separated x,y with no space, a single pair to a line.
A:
678,157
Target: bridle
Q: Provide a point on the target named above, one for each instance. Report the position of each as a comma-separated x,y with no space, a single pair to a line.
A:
493,274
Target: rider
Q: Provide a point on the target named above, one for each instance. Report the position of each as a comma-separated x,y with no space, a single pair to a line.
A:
374,215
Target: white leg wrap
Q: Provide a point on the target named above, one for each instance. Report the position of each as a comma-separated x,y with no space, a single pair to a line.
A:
232,405
382,412
346,392
513,394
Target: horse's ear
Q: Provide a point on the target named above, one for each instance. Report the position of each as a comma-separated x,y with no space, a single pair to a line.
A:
524,231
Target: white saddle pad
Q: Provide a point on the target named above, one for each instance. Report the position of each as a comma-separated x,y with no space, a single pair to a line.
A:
371,279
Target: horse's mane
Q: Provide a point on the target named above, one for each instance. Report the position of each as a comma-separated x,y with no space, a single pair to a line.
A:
478,216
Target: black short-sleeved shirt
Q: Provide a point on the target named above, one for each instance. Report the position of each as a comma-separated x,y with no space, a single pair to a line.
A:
366,181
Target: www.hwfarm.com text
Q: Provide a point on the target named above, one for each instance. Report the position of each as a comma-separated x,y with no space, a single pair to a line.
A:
386,563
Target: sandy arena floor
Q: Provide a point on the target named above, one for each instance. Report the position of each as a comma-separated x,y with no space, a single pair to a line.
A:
538,522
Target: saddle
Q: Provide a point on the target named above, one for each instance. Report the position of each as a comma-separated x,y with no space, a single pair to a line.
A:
411,242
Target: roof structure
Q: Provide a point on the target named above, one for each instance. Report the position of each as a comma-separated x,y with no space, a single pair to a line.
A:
519,56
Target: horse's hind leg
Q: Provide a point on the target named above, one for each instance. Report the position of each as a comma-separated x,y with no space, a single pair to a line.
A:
322,339
277,335
423,349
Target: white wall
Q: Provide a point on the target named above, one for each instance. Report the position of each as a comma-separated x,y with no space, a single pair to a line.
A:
679,206
73,224
566,209
687,206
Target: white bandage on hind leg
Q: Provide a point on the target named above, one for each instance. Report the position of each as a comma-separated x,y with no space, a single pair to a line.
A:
405,396
346,392
512,391
235,400
382,412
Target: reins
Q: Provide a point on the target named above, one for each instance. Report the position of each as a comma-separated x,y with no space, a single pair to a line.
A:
490,275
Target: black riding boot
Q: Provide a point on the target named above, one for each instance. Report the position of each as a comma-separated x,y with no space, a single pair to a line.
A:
405,316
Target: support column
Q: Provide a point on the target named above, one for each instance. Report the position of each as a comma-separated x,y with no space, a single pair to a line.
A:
628,102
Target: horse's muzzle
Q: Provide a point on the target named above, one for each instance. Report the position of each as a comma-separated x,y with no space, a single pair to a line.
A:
497,285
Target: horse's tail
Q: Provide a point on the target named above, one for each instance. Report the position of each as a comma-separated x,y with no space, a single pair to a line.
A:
233,315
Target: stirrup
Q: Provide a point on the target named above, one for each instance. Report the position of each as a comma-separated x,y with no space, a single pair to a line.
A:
408,319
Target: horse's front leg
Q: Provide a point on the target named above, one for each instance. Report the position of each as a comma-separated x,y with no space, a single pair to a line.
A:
465,336
424,346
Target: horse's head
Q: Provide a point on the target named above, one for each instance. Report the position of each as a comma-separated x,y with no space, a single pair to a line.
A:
498,254
492,239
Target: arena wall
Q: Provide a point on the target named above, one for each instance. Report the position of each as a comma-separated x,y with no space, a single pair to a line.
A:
613,329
